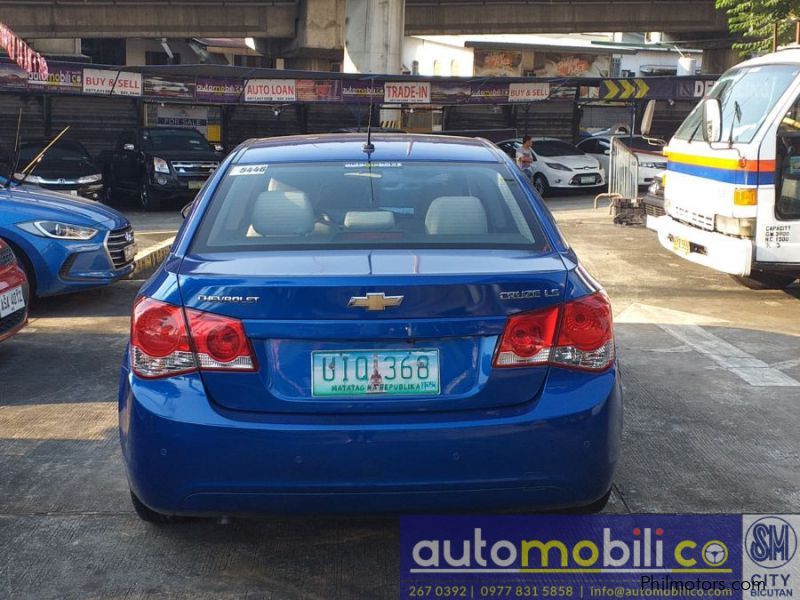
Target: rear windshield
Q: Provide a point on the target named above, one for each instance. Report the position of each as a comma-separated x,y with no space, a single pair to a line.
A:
368,205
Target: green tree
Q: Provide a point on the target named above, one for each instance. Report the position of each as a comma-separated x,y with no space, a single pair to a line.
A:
755,20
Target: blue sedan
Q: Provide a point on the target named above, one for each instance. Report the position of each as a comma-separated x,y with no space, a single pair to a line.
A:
64,244
351,327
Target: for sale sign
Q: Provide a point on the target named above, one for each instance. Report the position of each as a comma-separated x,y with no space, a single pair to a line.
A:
119,83
270,90
407,92
528,92
22,54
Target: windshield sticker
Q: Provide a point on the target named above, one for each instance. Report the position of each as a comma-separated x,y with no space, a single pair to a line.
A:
248,170
372,165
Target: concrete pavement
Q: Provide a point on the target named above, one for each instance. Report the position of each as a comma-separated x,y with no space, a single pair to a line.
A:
711,377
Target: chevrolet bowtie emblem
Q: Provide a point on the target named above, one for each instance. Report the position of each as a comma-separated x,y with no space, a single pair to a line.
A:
375,301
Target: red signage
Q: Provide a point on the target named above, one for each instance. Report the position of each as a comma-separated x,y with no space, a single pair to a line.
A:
22,54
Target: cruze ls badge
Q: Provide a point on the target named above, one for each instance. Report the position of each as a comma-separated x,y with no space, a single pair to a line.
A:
525,294
375,301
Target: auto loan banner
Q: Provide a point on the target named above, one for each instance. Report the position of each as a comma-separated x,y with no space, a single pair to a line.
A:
600,556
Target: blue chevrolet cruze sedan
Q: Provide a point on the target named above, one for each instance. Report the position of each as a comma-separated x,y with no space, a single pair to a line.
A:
63,243
387,326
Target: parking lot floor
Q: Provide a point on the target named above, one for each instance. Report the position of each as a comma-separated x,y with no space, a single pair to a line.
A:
711,376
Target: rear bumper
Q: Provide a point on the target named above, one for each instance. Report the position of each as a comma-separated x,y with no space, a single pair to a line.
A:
183,456
708,248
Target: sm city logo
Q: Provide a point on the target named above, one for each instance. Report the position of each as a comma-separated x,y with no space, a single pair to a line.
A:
636,550
770,542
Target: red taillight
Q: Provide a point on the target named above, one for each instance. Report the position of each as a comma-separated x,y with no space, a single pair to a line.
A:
162,344
220,342
585,336
527,338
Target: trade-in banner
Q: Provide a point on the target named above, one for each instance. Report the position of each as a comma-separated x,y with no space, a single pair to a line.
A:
600,556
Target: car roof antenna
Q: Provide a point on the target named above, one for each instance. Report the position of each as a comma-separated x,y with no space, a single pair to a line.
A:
14,162
369,147
36,159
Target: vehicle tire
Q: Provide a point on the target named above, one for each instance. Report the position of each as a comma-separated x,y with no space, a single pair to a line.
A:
147,201
759,280
541,185
152,516
27,268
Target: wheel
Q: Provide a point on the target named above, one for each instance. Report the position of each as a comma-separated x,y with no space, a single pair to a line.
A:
152,516
759,280
146,199
541,185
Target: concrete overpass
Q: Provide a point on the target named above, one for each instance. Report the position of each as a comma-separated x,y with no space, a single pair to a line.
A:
288,19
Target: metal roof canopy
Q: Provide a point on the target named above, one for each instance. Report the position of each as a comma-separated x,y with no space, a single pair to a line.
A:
658,88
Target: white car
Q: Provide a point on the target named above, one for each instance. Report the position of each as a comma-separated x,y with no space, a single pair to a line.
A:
649,152
559,165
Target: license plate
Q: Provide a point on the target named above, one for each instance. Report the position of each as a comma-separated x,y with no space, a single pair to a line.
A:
11,301
375,372
587,179
681,246
195,185
129,252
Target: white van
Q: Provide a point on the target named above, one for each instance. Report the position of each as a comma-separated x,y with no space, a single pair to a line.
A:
732,188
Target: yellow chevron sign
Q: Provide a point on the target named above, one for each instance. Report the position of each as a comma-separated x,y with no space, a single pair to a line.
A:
624,89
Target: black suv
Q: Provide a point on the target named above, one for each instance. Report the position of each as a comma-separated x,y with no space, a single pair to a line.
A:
159,165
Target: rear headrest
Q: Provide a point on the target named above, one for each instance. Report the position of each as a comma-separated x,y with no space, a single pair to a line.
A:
456,215
282,213
369,220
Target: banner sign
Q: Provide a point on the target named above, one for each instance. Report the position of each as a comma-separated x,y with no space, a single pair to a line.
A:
599,556
120,83
26,57
175,115
658,88
407,92
59,79
12,76
218,89
270,90
76,79
319,90
172,87
362,91
528,92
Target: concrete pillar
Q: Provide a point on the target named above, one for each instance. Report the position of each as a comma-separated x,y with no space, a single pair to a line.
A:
374,31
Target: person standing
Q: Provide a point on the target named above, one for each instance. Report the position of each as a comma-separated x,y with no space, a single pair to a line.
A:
525,156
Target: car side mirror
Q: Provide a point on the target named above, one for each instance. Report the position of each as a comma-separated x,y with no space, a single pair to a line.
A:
129,147
187,209
218,148
712,120
607,151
